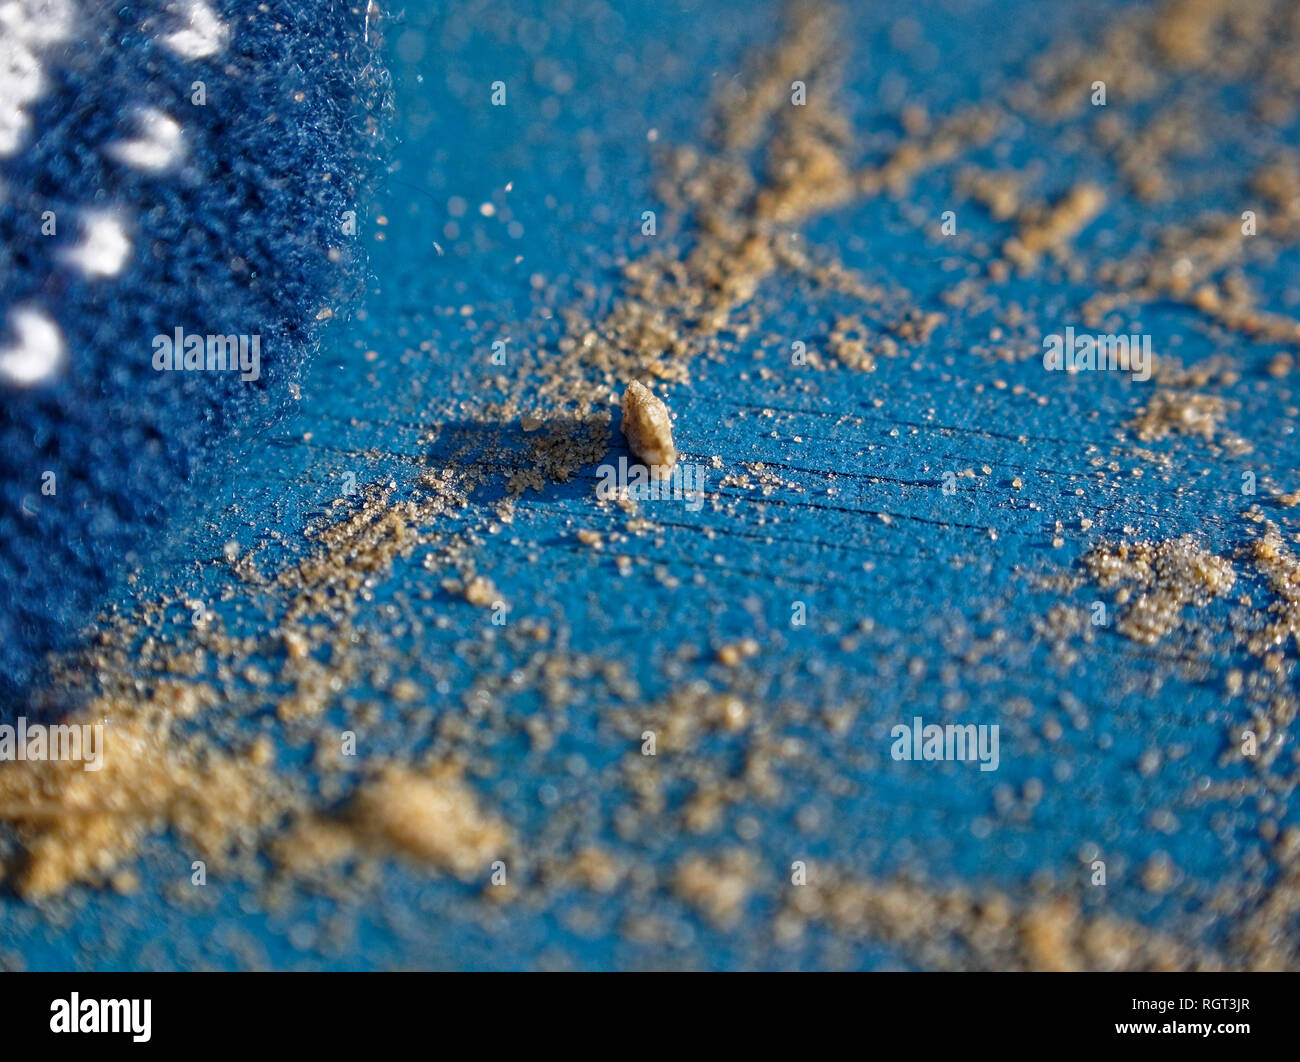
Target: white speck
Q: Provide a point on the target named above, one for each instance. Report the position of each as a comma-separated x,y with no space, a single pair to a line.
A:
159,146
203,35
104,246
38,351
36,22
26,26
21,81
487,209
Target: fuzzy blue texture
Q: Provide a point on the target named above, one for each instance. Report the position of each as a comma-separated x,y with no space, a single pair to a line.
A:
236,239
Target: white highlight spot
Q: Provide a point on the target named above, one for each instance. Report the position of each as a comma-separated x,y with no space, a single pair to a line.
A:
204,34
159,145
26,26
21,81
104,246
37,22
37,353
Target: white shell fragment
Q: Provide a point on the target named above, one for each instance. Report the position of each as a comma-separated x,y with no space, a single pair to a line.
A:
648,428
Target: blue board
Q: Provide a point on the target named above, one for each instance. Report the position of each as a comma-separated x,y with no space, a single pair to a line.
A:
922,520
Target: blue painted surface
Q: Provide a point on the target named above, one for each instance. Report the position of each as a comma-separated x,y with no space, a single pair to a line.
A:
931,581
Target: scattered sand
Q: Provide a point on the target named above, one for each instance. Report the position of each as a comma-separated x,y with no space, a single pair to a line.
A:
431,816
180,759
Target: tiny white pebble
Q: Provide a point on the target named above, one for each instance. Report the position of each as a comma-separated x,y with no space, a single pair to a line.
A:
648,428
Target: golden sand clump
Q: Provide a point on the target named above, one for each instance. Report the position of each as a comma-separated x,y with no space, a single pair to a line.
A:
1156,581
476,589
744,109
1180,413
717,887
852,345
78,825
1280,565
688,712
433,816
960,928
1051,229
648,427
733,654
808,173
1000,192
